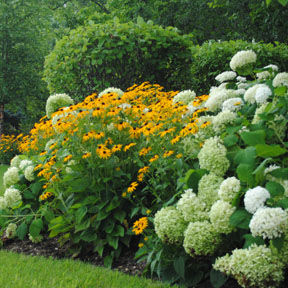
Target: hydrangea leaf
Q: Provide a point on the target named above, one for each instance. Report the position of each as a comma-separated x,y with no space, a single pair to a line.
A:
240,218
249,240
21,231
217,279
36,227
275,189
252,138
264,150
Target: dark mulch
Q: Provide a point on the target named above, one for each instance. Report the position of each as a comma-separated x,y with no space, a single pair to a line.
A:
50,247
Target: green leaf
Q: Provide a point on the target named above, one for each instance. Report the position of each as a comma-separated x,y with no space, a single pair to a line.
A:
244,173
49,215
275,189
246,156
109,226
102,214
118,231
278,242
113,204
89,236
230,140
134,211
217,279
119,215
253,138
280,91
249,240
282,203
36,188
268,2
240,218
179,266
82,226
192,178
36,227
108,260
28,195
283,2
80,213
280,173
22,231
112,241
264,150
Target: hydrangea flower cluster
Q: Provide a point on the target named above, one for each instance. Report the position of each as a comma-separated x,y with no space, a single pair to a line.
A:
24,164
212,156
222,120
11,230
191,207
208,189
56,101
12,196
269,222
29,173
15,161
170,225
200,238
255,199
226,76
228,189
252,267
185,97
242,59
11,177
250,93
232,104
220,215
281,79
117,91
262,94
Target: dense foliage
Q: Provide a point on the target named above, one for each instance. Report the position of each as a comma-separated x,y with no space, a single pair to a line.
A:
96,56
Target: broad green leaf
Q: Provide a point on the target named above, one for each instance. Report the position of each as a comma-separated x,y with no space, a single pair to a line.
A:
246,156
112,241
119,215
217,279
249,240
193,177
28,195
113,204
275,189
102,214
89,236
36,227
283,2
244,173
230,140
240,218
36,188
278,242
82,226
282,203
253,138
179,266
21,231
118,231
280,173
108,260
80,213
280,91
109,226
265,151
49,215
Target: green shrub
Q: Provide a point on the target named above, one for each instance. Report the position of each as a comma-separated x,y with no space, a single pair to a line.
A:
97,56
211,59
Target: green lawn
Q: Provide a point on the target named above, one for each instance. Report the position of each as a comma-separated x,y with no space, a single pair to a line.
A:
17,270
3,169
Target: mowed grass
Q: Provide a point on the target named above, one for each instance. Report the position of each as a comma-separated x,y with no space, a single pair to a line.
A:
21,271
3,169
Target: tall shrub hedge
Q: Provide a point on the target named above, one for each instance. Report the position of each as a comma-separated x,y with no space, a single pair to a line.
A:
211,59
97,56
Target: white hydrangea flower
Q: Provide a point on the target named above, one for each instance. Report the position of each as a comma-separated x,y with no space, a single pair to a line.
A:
118,91
274,67
242,85
226,76
124,106
253,267
249,95
3,204
255,199
15,161
56,101
24,164
243,58
241,79
229,188
12,196
220,216
208,189
29,173
269,222
232,104
49,144
11,177
170,225
259,111
191,207
200,239
263,75
262,94
281,79
240,91
11,230
212,156
217,97
222,120
185,97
